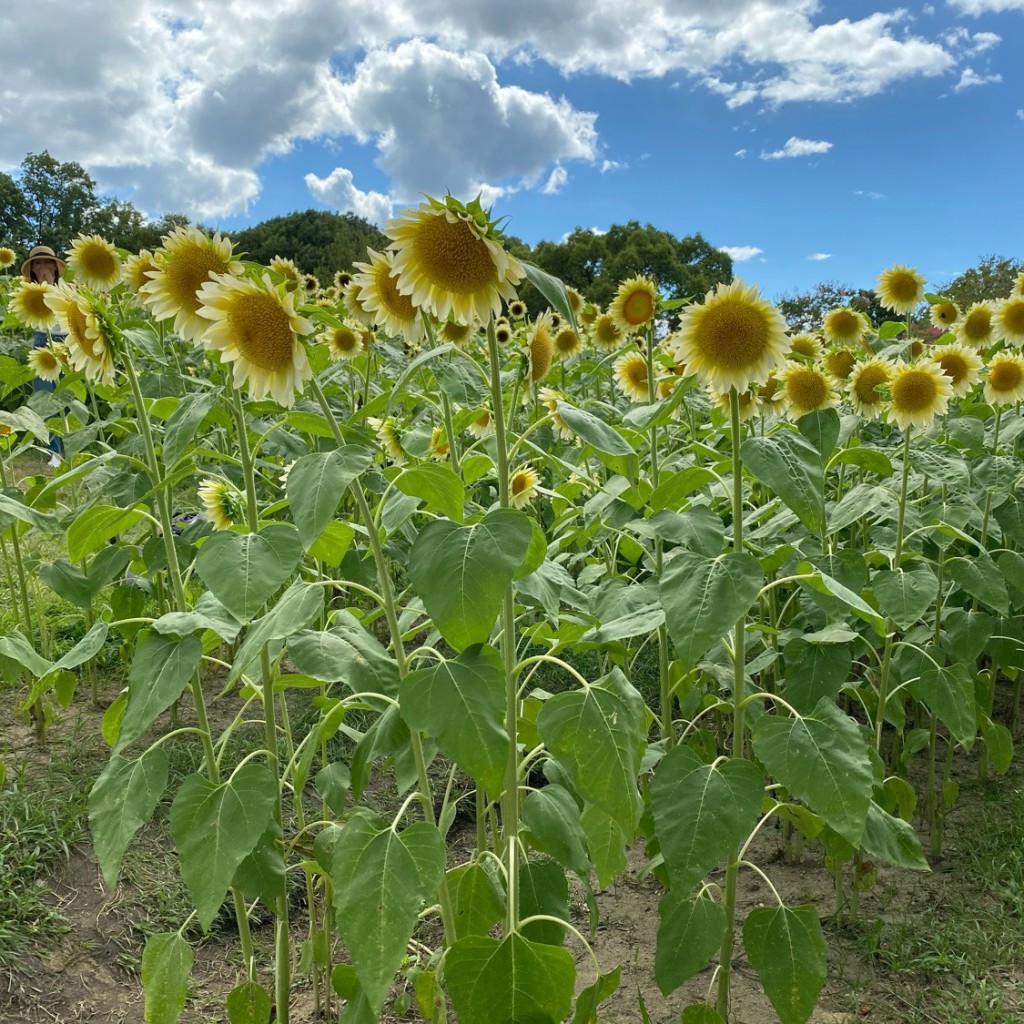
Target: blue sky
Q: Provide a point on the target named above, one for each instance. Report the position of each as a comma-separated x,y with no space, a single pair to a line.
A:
815,141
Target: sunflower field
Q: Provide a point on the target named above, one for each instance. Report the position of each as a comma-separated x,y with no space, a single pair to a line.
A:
467,614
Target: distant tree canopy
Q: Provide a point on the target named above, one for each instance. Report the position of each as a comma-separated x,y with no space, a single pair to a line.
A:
993,278
806,311
316,241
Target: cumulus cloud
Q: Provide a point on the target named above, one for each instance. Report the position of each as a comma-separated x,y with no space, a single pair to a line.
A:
969,77
796,147
818,256
556,181
740,253
339,191
968,44
612,165
977,7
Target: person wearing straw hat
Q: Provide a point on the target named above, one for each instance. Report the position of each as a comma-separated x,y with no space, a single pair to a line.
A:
44,266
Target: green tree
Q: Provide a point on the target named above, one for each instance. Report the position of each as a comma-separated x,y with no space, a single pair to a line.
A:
15,226
993,278
61,199
806,311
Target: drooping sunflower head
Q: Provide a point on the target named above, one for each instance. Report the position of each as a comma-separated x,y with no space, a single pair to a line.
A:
806,345
944,314
522,486
7,257
769,394
1004,381
732,339
184,264
482,426
844,326
839,362
567,344
393,311
95,262
634,305
805,389
960,363
864,383
550,398
457,334
253,324
45,363
449,260
588,314
438,444
576,300
918,393
28,304
605,332
137,269
631,376
387,434
1008,322
344,342
900,288
542,348
222,504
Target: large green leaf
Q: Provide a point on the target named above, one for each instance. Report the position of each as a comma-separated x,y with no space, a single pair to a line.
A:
345,653
243,570
122,799
166,965
948,692
509,981
813,671
94,528
604,986
478,902
791,466
606,840
822,759
461,572
249,1003
317,483
160,671
215,827
893,840
181,426
980,577
460,702
787,949
553,818
690,931
381,880
611,447
543,889
439,487
702,811
904,596
598,736
704,597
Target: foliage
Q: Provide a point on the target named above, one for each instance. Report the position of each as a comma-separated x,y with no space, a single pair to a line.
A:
993,277
806,311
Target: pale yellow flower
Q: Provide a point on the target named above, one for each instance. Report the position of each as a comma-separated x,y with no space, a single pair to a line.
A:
95,262
918,394
863,383
805,389
1004,379
900,288
960,363
28,303
522,486
631,376
634,305
393,311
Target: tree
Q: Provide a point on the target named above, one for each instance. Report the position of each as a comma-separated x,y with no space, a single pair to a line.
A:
61,200
806,311
15,226
993,278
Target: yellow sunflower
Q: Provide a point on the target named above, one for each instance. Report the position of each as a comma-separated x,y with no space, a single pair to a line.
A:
918,393
342,279
864,381
542,348
457,334
344,342
567,344
634,305
353,297
95,262
7,257
1008,322
137,269
576,300
944,314
388,437
393,312
805,389
750,403
482,426
732,339
550,399
45,363
502,333
1018,285
89,350
960,363
839,362
254,325
605,333
845,327
631,376
517,309
900,288
438,445
666,385
805,345
184,264
522,486
222,504
448,261
291,275
28,304
1004,381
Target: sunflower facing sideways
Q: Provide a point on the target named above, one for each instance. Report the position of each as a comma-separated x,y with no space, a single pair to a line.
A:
732,339
254,325
1008,321
449,260
631,376
88,349
918,393
45,363
222,504
392,311
522,486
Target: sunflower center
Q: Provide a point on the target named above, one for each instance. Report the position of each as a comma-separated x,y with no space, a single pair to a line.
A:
453,256
903,287
914,391
867,381
262,331
99,262
566,341
954,366
77,327
1013,317
519,483
804,346
978,324
840,363
638,308
391,298
1005,376
844,324
945,314
636,372
188,271
34,302
344,339
605,331
732,335
807,389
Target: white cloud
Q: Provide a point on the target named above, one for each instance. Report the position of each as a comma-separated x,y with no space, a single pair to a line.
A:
741,153
869,195
969,77
612,165
339,191
796,147
968,44
820,256
1020,114
740,253
556,181
977,7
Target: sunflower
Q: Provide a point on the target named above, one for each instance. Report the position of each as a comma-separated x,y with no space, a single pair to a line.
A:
845,326
438,445
567,344
448,261
1004,381
502,333
666,385
457,334
1017,289
482,426
353,298
28,304
542,348
900,288
89,349
222,504
750,403
805,345
918,393
254,325
839,362
388,437
292,276
183,265
605,332
733,338
137,269
769,394
522,486
343,342
588,314
631,376
45,363
311,283
517,309
342,279
95,262
864,381
7,257
550,398
805,389
960,363
1008,321
944,314
635,304
393,312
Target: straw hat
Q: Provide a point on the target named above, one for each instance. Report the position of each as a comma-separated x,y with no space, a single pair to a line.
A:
41,252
